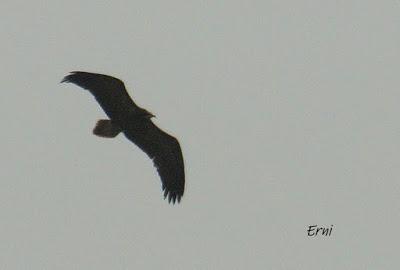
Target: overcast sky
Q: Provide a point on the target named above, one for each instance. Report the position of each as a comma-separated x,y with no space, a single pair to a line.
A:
287,113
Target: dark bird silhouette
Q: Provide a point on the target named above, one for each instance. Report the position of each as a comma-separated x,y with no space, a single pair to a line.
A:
135,122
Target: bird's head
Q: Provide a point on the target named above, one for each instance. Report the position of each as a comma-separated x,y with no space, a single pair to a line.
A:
147,114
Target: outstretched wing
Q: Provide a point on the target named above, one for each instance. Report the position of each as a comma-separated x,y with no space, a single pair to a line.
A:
110,92
166,154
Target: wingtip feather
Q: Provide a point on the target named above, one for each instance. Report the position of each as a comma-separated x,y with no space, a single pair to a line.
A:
67,79
70,76
172,197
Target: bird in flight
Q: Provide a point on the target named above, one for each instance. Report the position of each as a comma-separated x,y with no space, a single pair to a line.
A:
135,123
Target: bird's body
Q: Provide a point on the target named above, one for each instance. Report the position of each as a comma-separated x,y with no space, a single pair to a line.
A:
136,124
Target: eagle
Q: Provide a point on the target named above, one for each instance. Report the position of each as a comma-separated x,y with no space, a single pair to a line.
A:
136,124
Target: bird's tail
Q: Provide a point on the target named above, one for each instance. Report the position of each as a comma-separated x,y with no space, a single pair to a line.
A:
106,128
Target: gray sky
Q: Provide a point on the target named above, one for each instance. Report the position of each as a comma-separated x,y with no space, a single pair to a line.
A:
287,112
